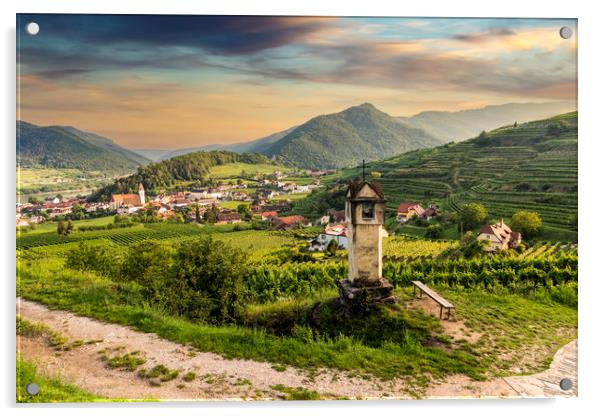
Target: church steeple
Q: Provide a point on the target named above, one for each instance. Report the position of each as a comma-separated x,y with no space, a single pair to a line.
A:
141,193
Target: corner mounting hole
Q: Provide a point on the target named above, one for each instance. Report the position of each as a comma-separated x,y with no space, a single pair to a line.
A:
566,32
32,28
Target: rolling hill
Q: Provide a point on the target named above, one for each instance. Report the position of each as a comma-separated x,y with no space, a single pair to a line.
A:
191,167
68,147
532,166
460,125
343,139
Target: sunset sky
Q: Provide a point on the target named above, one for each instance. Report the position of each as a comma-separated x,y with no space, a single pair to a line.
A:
169,82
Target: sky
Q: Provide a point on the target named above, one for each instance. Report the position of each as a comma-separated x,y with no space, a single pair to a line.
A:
166,82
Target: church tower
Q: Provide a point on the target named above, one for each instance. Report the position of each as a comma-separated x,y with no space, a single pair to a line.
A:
141,193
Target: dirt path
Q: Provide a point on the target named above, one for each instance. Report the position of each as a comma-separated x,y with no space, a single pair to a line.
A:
221,379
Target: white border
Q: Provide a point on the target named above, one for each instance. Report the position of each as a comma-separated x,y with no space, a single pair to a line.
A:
590,124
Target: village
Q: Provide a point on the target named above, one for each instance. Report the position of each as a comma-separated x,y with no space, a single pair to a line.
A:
267,206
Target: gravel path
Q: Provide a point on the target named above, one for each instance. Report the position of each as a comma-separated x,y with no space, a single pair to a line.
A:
221,379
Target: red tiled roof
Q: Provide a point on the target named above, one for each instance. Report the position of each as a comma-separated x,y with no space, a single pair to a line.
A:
269,214
290,220
336,229
501,231
126,199
405,207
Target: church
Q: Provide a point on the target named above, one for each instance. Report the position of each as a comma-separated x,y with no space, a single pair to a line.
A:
128,203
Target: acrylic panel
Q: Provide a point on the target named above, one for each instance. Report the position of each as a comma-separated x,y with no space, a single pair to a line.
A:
295,208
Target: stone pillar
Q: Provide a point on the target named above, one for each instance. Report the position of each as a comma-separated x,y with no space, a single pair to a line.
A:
365,216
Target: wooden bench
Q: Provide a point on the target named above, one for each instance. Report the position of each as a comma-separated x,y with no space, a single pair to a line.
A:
443,304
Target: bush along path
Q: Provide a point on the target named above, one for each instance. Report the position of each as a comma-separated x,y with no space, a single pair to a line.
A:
113,361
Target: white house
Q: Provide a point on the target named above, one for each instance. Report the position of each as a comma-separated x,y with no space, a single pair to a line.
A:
499,236
337,232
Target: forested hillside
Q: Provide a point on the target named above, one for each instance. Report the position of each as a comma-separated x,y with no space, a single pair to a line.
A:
189,167
66,147
343,139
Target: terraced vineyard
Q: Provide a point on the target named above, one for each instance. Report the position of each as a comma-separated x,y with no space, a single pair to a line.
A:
398,248
541,250
532,166
258,243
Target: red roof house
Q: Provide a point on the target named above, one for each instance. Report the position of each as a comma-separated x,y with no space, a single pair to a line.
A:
408,210
288,223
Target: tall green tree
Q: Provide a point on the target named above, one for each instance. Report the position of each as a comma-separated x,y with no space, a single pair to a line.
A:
528,223
60,227
472,215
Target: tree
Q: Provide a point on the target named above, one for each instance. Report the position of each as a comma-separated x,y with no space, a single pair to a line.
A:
332,247
244,211
60,228
515,124
472,215
197,213
468,238
36,200
68,227
433,231
211,214
528,223
78,212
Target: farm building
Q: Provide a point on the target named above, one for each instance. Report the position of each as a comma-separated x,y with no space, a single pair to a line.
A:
228,218
268,215
408,210
499,236
337,232
288,223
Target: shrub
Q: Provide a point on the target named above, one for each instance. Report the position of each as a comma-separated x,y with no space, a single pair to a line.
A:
99,256
206,281
433,231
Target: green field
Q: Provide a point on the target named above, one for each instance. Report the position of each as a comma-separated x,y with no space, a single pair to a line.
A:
46,182
48,227
44,238
292,197
233,170
232,205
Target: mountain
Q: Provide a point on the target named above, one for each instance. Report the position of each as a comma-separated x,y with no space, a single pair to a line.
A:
166,173
532,166
107,144
460,125
253,146
344,139
67,147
